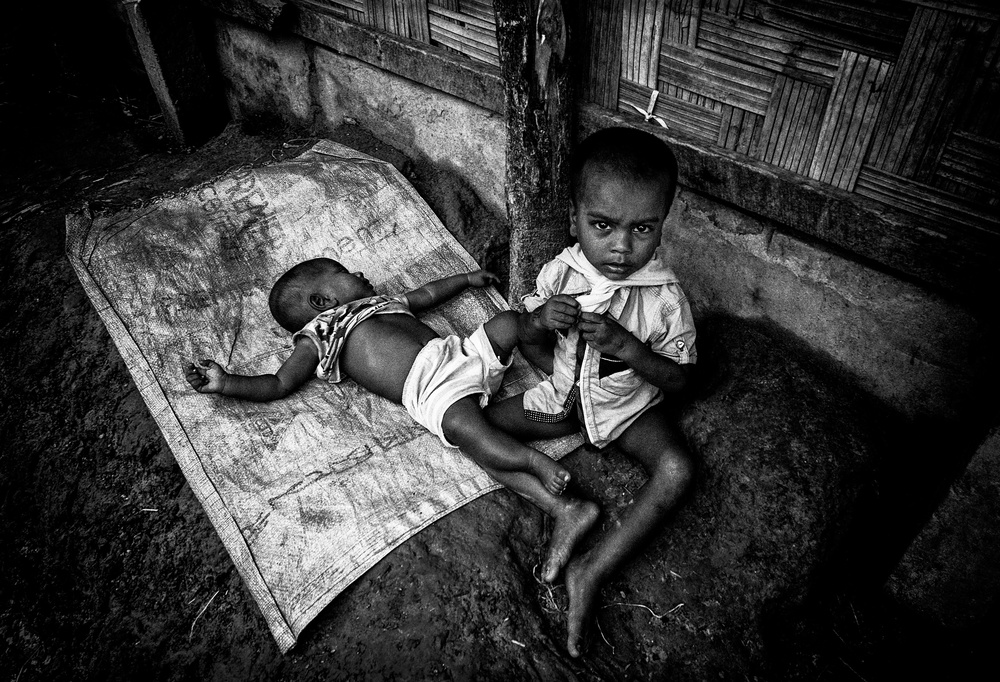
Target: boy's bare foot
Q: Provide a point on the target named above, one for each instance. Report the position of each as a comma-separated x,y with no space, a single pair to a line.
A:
573,519
547,470
582,589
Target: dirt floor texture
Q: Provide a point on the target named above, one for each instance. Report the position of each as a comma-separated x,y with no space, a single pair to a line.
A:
110,570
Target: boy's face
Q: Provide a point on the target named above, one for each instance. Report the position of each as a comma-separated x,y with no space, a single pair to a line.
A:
336,286
618,221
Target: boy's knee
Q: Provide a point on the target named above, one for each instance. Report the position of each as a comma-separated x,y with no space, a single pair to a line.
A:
674,468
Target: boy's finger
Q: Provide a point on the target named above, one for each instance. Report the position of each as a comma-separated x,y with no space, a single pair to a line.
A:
566,300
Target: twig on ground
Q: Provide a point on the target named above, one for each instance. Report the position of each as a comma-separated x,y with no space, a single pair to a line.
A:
203,609
643,606
549,603
860,676
601,630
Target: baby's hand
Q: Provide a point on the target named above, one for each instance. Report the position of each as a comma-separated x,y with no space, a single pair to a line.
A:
604,334
206,377
559,312
482,278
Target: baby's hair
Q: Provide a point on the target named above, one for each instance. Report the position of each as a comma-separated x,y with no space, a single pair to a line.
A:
288,294
625,151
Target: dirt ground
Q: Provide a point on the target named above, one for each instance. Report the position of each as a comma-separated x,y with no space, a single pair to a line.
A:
109,569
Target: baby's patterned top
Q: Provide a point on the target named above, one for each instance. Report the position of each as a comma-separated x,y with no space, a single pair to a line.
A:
328,331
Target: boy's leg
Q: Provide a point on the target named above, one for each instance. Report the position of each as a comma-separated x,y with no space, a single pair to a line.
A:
658,446
508,415
467,428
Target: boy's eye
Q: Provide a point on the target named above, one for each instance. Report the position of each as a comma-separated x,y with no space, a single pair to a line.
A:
644,229
601,225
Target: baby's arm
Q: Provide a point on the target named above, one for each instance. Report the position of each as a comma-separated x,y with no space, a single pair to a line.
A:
604,334
432,293
209,377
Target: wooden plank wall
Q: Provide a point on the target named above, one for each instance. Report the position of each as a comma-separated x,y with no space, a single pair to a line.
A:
895,100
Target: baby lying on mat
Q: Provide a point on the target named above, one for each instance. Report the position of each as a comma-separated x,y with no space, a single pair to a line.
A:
340,323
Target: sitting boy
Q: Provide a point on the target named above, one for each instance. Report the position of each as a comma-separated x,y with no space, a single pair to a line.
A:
342,327
610,324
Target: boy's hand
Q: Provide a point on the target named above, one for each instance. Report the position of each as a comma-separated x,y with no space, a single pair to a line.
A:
559,312
604,334
482,278
206,377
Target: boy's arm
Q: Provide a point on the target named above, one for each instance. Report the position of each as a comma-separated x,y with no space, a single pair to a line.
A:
535,330
604,334
438,291
209,377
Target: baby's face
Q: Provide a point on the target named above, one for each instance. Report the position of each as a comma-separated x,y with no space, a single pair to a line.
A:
619,221
341,286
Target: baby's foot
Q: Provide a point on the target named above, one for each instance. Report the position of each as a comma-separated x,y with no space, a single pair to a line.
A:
547,470
573,518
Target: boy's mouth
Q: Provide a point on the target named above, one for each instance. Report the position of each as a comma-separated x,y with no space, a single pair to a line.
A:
616,269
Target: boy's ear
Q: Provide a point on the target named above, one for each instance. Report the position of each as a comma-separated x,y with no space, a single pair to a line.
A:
572,220
321,302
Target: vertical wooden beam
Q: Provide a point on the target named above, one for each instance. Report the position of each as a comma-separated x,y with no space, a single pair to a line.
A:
532,37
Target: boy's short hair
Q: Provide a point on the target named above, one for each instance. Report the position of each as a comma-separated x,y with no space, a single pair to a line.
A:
292,289
625,151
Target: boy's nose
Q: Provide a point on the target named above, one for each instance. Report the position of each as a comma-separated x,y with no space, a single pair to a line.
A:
622,242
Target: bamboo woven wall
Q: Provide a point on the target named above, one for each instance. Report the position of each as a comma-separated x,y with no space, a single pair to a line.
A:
464,26
895,100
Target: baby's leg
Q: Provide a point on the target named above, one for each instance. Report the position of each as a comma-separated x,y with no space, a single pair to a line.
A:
501,329
465,426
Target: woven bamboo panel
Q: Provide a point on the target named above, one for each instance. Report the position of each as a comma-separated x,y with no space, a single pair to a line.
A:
829,89
934,64
924,200
768,48
641,40
349,10
898,100
677,113
791,124
875,28
406,18
727,80
739,130
681,22
970,167
468,33
849,120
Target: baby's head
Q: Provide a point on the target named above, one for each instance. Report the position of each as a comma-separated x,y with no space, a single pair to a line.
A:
311,287
623,182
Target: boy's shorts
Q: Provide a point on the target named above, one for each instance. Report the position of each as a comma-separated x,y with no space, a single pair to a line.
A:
447,370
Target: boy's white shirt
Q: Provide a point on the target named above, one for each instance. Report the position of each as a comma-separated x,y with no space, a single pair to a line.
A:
600,426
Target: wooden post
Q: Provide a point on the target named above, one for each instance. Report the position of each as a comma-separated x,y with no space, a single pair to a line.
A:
166,34
533,41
